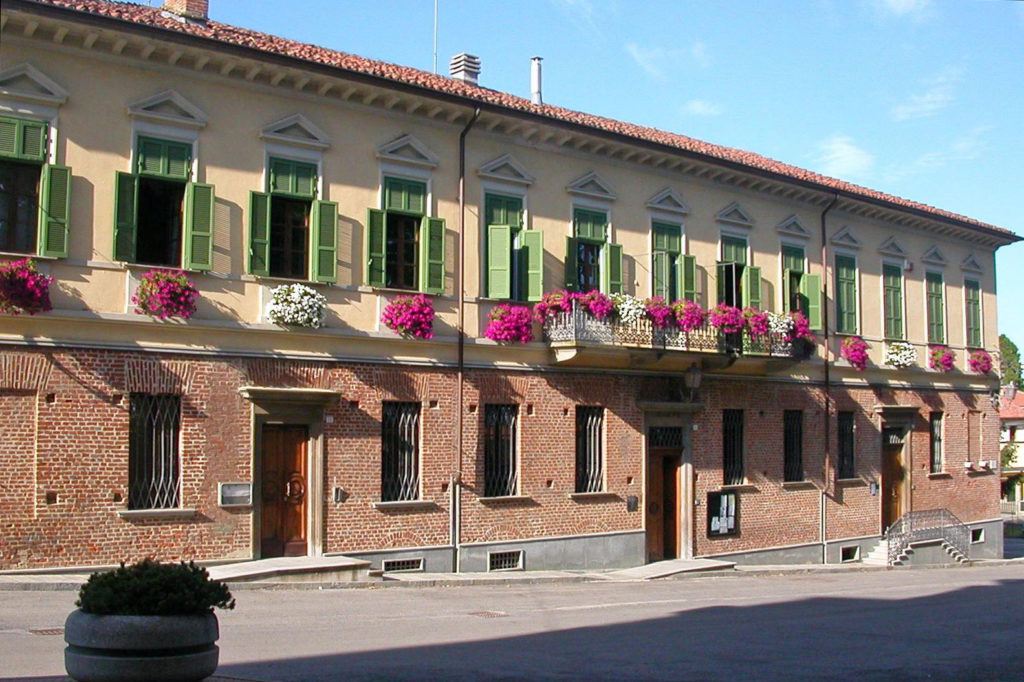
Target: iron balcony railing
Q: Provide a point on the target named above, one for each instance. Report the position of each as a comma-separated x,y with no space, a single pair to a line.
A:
1015,507
579,327
924,525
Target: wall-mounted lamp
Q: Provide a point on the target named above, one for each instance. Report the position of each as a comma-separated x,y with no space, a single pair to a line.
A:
691,379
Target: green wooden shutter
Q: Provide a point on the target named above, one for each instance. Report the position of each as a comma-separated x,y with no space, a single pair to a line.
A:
179,160
54,211
126,192
571,264
667,237
163,158
611,268
432,261
531,249
499,261
304,179
936,322
376,248
793,258
892,299
688,277
972,296
846,295
199,203
787,293
590,224
23,139
259,233
752,287
8,136
721,276
661,276
324,241
810,289
292,177
405,195
734,250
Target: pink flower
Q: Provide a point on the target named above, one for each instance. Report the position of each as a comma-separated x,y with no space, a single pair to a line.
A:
594,302
410,316
510,323
660,313
942,358
689,315
855,350
801,327
757,322
164,294
553,303
23,289
980,362
726,318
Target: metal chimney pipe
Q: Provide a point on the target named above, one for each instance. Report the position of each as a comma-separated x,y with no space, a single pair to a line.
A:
535,82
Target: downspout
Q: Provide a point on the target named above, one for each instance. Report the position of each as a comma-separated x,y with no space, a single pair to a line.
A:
455,481
828,380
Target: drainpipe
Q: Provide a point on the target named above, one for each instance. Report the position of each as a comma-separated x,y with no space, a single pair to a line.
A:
828,384
455,481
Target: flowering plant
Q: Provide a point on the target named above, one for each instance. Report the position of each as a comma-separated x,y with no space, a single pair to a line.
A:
780,324
855,350
980,362
900,354
510,323
23,289
165,293
689,315
726,318
630,309
594,302
941,358
757,322
659,312
410,316
296,305
801,327
552,303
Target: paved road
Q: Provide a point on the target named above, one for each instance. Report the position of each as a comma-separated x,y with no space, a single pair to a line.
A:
940,624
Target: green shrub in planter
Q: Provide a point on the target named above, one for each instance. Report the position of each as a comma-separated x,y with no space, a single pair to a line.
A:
149,588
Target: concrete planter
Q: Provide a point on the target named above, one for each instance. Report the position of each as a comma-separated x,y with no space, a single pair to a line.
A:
140,648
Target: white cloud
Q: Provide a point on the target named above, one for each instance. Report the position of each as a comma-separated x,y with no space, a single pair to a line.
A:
968,146
647,59
581,13
840,157
654,60
902,8
699,52
701,107
938,94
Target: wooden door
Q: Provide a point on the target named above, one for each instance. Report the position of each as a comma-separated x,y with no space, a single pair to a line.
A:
283,486
663,495
893,475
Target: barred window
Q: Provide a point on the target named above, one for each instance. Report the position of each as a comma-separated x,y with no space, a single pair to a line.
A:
589,458
793,445
935,423
732,446
847,464
400,452
154,472
500,450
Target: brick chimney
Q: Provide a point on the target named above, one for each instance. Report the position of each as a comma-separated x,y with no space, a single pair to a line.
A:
192,9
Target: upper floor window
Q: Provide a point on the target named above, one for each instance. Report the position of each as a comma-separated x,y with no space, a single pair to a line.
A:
739,284
674,274
892,300
406,246
972,311
592,262
846,294
515,255
35,196
935,307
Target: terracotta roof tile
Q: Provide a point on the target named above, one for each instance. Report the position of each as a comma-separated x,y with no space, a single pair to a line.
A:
155,17
1012,409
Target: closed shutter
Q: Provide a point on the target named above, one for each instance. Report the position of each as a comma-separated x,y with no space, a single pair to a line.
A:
660,274
846,295
936,313
793,258
611,268
324,246
972,294
376,247
54,211
531,253
688,277
572,274
172,160
499,261
126,189
23,139
590,224
787,292
892,284
8,136
405,195
259,233
734,250
432,260
752,287
199,204
293,177
810,289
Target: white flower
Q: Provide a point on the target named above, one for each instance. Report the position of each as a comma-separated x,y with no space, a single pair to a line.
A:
630,309
296,305
900,354
779,323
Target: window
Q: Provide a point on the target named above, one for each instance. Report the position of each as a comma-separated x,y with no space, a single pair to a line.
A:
515,255
589,456
972,305
35,198
739,284
723,514
400,452
154,473
846,295
292,234
674,274
847,465
406,247
793,445
500,467
801,291
935,427
935,307
732,446
591,261
892,300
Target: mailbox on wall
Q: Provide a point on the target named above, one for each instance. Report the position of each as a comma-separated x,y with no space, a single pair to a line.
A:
234,494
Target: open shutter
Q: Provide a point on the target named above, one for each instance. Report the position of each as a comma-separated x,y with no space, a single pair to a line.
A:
611,268
126,188
376,247
531,255
688,276
752,287
810,289
432,266
259,233
787,293
324,238
499,261
661,276
571,264
199,202
54,211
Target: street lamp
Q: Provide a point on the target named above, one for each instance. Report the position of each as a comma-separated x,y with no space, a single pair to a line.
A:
691,379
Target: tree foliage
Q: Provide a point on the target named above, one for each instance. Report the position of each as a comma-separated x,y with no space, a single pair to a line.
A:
1009,362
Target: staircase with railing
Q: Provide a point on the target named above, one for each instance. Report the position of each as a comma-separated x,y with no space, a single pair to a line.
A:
924,526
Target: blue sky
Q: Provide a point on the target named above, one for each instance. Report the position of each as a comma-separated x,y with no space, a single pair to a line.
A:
923,99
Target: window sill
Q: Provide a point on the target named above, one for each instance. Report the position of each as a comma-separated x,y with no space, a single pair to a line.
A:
404,505
24,254
599,495
271,280
851,482
740,487
798,485
940,474
147,514
505,498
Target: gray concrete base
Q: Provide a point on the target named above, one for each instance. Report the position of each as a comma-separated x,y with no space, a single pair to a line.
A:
991,545
434,559
797,554
586,552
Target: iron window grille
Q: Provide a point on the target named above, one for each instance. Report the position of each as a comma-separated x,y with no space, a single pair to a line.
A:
500,477
400,452
935,424
154,473
847,462
732,446
505,561
793,446
402,565
589,459
665,437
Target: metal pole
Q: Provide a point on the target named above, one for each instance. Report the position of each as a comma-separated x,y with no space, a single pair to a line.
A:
435,37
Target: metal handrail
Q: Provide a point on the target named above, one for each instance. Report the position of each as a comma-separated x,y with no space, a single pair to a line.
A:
927,524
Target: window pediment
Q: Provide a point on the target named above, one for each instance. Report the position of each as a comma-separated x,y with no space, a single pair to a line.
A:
669,201
934,257
507,169
971,264
734,214
408,150
591,185
26,82
171,107
296,130
845,237
793,227
891,247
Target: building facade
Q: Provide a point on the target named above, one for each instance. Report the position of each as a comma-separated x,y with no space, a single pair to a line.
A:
1011,443
136,138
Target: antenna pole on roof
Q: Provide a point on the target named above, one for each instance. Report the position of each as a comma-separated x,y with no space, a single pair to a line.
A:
435,37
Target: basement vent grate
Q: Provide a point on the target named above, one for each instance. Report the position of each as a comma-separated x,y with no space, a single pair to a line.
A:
850,554
489,614
505,561
402,565
47,631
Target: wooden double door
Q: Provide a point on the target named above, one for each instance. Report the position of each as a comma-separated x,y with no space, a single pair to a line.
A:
284,485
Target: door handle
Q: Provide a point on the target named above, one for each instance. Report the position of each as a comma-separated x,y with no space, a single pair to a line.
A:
295,489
